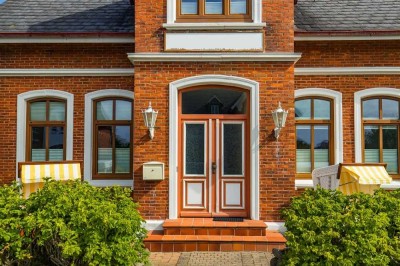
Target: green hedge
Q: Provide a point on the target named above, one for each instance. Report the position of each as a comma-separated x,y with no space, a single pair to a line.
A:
70,223
328,228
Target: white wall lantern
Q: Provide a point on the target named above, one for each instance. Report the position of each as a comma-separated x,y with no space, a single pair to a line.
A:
279,115
150,117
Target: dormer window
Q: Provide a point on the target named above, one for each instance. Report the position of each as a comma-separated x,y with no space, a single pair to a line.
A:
213,10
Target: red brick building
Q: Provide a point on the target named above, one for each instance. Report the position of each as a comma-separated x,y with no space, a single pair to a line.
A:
76,75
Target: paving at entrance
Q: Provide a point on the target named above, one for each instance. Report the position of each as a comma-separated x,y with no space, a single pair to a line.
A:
210,258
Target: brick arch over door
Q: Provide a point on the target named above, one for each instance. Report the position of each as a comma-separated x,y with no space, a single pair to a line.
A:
253,88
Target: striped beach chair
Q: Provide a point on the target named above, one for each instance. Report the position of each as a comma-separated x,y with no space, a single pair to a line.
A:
32,174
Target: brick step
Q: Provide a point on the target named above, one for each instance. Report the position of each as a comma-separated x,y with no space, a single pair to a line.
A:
206,226
158,242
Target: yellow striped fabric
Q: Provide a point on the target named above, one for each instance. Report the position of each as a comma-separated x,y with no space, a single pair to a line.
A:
365,179
62,172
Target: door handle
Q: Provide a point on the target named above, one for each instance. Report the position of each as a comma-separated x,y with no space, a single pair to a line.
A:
214,167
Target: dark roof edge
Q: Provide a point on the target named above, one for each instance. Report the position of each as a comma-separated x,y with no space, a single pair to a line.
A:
66,34
299,32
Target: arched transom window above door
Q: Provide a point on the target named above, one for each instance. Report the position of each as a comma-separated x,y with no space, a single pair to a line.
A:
214,100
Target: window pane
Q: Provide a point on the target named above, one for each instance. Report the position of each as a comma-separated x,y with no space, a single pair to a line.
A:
321,146
233,149
56,143
194,152
371,142
122,149
213,6
38,152
303,149
238,7
303,109
123,110
390,109
390,148
214,101
38,111
57,111
189,7
105,110
104,149
322,109
371,109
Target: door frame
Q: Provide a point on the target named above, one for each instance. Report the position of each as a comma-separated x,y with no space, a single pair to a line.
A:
247,84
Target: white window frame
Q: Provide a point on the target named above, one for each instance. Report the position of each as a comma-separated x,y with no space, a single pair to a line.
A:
358,97
338,115
88,136
256,16
22,100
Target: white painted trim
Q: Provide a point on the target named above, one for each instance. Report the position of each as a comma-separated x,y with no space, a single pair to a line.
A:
256,11
65,39
358,96
304,183
22,100
250,85
151,225
393,185
215,26
88,140
276,226
329,71
347,38
17,72
338,115
213,57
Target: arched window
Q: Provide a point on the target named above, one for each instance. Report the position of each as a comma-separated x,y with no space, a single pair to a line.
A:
380,131
46,130
112,138
314,134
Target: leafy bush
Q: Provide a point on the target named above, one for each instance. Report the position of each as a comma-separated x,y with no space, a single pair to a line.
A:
13,246
74,223
328,228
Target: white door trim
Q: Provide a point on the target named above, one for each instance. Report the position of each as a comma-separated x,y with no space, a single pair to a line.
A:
253,88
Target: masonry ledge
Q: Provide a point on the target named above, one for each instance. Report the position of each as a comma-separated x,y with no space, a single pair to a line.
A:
213,57
215,26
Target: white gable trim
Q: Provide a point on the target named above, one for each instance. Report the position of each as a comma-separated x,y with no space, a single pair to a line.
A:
22,100
358,96
338,115
174,88
88,140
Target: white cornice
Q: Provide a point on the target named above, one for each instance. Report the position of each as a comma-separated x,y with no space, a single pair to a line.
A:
347,38
64,39
330,71
213,57
214,26
18,72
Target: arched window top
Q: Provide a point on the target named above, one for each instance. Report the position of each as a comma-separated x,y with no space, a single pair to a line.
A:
214,100
381,108
113,109
313,108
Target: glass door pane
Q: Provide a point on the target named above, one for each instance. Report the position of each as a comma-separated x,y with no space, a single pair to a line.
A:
232,149
194,150
104,150
321,146
38,152
56,143
371,142
122,149
303,149
390,148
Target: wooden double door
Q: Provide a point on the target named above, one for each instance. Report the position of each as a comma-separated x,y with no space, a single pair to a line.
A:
214,168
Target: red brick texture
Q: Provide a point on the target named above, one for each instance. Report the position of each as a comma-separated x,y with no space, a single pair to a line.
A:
348,53
150,15
276,158
79,86
65,55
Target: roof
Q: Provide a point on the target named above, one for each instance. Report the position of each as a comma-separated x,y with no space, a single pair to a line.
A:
66,16
347,15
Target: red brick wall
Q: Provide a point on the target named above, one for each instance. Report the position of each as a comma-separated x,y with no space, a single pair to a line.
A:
65,55
79,86
150,15
276,158
348,53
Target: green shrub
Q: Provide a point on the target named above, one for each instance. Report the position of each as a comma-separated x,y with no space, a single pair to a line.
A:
72,223
13,246
328,228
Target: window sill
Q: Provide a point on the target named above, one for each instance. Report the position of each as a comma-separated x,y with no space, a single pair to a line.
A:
302,183
215,26
109,183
